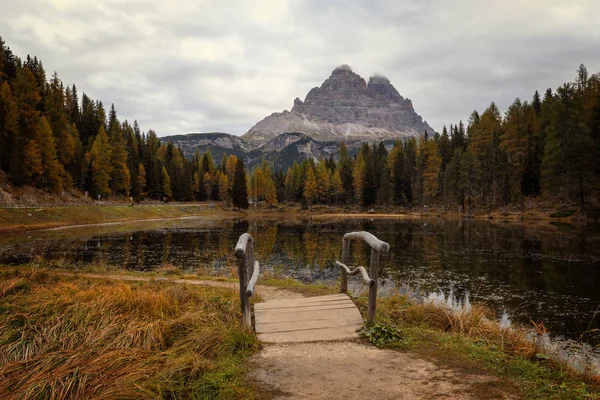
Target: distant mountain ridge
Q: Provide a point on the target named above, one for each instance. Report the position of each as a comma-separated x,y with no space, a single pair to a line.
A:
344,108
281,151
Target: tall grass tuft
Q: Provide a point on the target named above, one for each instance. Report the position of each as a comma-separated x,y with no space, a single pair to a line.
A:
73,337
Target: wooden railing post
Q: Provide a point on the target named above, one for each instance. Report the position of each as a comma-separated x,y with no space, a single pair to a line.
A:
377,247
245,254
373,289
346,261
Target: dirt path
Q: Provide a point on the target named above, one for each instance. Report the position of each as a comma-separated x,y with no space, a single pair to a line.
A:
346,370
350,370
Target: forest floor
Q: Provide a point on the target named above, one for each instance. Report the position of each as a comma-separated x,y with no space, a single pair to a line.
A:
421,364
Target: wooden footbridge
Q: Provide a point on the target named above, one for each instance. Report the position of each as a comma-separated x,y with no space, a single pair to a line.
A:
309,319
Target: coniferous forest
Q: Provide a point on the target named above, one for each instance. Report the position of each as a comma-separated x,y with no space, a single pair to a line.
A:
547,147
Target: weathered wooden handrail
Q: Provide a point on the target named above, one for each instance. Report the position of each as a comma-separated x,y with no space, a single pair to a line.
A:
370,239
363,273
252,282
247,267
377,247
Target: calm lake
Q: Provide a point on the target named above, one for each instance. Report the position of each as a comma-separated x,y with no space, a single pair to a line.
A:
546,272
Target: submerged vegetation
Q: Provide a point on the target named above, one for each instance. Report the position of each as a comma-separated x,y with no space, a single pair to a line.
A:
75,337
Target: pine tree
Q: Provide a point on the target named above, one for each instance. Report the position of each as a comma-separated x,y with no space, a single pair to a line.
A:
208,164
345,167
207,180
530,181
270,192
196,185
100,156
537,103
167,190
239,190
337,187
358,176
369,189
431,173
323,183
63,131
141,181
28,101
53,177
224,190
410,170
452,177
385,189
310,187
445,148
120,181
34,165
469,177
399,177
519,131
9,125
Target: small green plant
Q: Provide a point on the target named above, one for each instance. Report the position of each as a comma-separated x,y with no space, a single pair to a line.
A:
382,335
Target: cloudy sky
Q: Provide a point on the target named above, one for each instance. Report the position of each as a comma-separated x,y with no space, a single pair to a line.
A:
199,66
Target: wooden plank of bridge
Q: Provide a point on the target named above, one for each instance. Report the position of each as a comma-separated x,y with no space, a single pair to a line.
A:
309,319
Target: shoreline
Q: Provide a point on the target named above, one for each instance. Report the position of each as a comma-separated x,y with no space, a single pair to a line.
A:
25,218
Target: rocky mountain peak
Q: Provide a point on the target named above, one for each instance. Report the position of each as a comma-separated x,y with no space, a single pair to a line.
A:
345,108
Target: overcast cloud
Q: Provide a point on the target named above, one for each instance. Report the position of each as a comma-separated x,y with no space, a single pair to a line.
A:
201,66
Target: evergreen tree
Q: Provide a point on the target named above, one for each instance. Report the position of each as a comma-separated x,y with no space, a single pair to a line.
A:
537,103
141,181
34,166
9,126
310,187
369,189
167,190
63,131
399,177
323,183
385,189
239,190
120,181
358,176
469,178
453,191
410,170
270,192
345,167
337,187
431,173
445,148
100,156
53,177
224,190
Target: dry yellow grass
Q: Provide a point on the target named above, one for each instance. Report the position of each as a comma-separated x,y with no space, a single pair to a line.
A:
70,337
